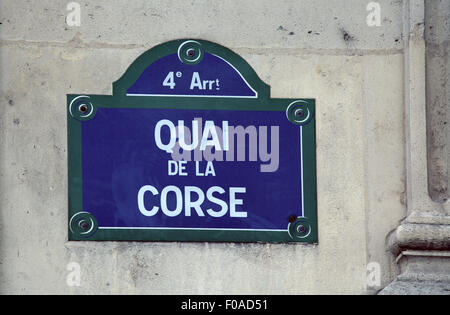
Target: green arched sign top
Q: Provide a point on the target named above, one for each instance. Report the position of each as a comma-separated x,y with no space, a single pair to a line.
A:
188,67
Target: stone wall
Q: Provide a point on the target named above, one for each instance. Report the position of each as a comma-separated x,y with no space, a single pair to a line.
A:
322,49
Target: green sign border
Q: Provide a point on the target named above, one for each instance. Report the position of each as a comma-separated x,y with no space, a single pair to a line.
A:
82,107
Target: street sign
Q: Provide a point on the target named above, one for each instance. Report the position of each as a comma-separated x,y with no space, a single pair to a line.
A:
190,147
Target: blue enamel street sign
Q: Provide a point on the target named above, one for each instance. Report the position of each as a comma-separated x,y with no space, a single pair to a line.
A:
190,147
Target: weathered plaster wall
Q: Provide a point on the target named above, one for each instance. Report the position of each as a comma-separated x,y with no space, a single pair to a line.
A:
321,49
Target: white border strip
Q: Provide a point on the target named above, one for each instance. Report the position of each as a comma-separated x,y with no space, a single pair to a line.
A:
225,229
242,77
181,228
301,169
182,95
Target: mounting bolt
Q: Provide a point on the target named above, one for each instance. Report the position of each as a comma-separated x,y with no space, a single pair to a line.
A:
299,113
84,225
190,52
301,229
83,108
